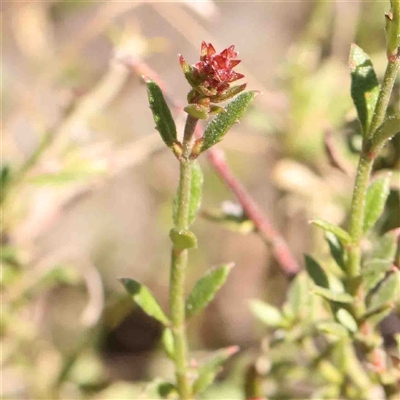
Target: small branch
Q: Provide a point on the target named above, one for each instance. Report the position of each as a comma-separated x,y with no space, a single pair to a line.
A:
281,251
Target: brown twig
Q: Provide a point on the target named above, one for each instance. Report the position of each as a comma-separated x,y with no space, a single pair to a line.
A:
270,235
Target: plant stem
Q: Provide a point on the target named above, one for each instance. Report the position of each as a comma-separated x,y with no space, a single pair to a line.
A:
357,214
389,79
178,266
269,234
364,171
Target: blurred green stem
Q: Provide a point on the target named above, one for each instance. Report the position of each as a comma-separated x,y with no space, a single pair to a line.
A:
364,171
389,79
179,264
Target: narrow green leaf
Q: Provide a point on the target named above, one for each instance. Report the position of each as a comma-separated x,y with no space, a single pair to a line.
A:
168,343
210,368
333,328
333,296
316,272
161,113
220,125
336,249
298,295
347,320
4,180
205,288
364,85
389,128
231,216
375,201
63,177
373,271
145,299
385,247
183,239
387,292
196,185
266,313
232,92
197,111
340,233
375,316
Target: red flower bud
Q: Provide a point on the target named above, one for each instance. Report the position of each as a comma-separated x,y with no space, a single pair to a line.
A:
211,77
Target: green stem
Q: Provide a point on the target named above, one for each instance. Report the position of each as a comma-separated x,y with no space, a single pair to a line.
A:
357,214
389,79
364,171
178,266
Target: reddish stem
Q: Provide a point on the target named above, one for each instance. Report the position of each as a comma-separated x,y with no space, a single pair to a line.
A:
281,251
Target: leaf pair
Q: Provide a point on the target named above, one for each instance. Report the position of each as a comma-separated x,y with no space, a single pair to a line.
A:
203,292
380,280
215,130
323,287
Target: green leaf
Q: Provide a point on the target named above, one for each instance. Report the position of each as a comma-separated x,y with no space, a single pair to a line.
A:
298,295
336,249
333,328
316,272
376,315
197,111
347,320
183,239
160,389
196,185
63,177
161,113
168,343
364,85
373,271
333,296
375,201
232,92
165,389
340,233
145,299
210,368
231,216
385,247
220,125
266,313
205,288
387,292
389,128
5,174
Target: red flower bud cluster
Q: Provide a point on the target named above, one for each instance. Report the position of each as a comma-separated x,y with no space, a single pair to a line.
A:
210,79
216,69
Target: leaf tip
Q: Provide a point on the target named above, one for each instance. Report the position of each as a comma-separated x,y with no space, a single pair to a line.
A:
232,350
146,79
123,280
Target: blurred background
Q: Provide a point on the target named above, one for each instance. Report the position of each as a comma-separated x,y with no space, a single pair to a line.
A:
87,184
